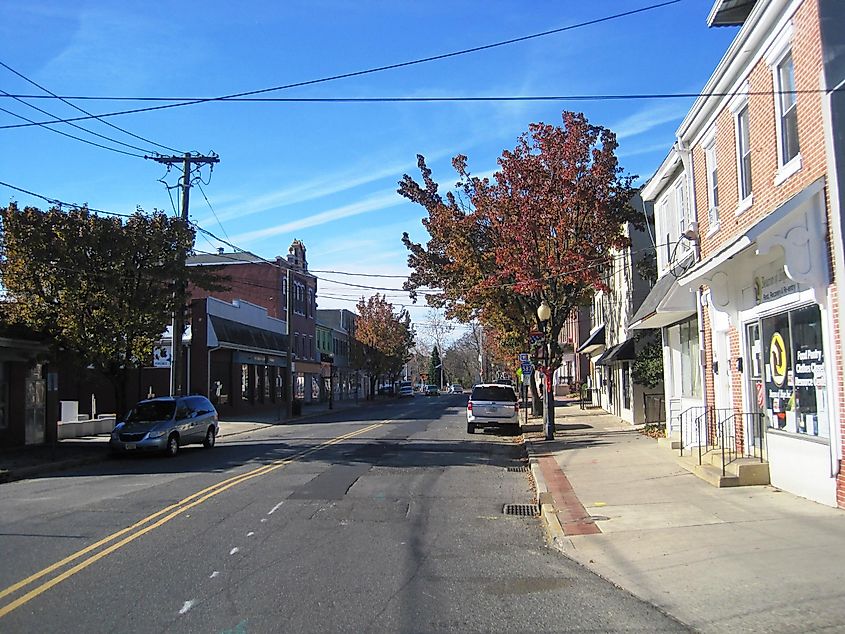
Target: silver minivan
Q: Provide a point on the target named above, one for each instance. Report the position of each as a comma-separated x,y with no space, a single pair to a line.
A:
165,424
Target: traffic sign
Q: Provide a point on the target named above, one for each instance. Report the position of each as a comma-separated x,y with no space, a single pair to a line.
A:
524,357
527,368
535,337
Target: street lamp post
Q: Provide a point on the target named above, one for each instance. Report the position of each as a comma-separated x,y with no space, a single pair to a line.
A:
544,313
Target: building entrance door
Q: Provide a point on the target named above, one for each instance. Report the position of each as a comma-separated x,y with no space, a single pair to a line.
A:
35,420
756,387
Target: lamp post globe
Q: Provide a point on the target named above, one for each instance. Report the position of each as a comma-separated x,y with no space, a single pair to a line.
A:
544,311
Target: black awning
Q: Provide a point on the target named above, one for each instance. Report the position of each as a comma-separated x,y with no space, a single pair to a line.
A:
594,341
625,351
241,335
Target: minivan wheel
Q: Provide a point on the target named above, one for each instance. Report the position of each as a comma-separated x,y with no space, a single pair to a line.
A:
172,446
210,437
470,428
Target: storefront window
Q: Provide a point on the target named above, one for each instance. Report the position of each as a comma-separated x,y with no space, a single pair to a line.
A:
300,385
245,396
267,384
4,395
626,385
795,379
257,373
690,374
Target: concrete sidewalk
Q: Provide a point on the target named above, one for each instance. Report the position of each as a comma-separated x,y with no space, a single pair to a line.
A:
27,462
750,559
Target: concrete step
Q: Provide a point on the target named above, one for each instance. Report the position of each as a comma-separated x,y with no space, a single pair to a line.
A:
750,471
714,476
670,442
739,472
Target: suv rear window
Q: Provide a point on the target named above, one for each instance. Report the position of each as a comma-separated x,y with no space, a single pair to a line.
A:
493,393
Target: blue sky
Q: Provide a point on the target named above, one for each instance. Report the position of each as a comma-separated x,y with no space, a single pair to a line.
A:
326,173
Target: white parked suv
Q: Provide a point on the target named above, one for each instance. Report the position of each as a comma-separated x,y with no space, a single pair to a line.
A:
492,404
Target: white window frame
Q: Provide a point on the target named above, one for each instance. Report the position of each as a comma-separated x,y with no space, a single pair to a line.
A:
780,49
682,213
711,170
737,107
664,227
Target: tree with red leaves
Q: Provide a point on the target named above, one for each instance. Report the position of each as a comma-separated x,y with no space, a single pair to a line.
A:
543,229
383,339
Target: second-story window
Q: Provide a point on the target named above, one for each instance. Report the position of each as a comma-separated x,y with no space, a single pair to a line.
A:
787,110
682,211
743,152
712,186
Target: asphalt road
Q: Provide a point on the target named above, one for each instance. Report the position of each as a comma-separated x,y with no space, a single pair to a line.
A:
383,519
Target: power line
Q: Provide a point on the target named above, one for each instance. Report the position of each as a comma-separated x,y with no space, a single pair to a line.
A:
214,213
73,125
61,203
378,69
70,136
82,110
360,274
440,98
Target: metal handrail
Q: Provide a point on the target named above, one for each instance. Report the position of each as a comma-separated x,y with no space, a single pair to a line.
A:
687,414
714,419
725,430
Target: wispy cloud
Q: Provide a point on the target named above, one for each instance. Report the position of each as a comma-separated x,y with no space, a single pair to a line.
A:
649,118
310,190
373,203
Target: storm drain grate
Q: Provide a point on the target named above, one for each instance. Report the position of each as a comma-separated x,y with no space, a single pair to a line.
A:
518,469
521,510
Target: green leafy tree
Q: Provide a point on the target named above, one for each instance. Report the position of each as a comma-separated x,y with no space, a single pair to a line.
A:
647,369
102,288
435,368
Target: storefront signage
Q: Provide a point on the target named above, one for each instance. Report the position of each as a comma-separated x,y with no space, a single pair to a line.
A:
778,359
809,368
162,356
770,287
251,358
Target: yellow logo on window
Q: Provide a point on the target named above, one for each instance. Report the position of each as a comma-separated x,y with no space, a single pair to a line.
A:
777,359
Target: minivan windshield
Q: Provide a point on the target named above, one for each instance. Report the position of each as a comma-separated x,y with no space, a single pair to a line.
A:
151,412
493,393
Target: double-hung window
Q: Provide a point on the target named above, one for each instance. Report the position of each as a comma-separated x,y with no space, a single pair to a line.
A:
682,211
743,152
780,61
712,184
787,110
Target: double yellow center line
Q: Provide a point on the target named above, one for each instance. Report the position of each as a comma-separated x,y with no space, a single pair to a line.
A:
149,523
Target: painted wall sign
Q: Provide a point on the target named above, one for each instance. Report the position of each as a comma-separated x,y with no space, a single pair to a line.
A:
774,285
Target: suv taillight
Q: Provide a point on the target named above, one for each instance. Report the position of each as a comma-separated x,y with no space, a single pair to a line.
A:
469,406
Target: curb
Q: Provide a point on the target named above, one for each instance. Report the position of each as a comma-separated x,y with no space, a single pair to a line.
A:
49,467
545,500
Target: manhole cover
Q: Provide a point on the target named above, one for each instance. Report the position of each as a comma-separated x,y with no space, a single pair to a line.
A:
518,469
521,510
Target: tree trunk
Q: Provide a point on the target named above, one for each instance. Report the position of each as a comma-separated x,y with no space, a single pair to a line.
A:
536,402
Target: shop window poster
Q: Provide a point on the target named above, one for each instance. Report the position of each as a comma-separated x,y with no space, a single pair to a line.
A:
795,379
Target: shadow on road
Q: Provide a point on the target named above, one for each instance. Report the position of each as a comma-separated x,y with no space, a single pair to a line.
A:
392,448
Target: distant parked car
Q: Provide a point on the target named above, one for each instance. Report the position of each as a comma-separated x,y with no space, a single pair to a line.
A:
432,390
456,388
492,404
166,424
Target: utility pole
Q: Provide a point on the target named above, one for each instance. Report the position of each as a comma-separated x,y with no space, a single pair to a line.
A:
177,363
